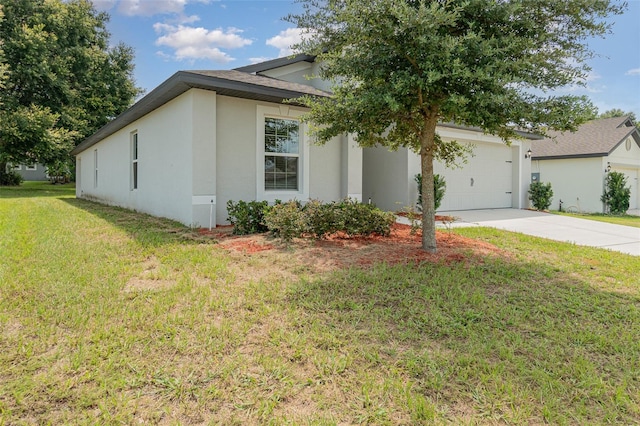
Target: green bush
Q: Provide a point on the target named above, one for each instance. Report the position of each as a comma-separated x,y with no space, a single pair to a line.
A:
10,178
320,219
247,218
439,188
616,195
540,195
291,219
286,220
355,218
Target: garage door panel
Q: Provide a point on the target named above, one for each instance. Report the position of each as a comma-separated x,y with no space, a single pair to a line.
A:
484,182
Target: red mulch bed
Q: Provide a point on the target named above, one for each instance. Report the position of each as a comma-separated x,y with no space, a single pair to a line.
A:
341,251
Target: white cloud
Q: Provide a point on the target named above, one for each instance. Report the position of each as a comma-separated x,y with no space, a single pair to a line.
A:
146,7
259,59
634,71
199,43
150,7
285,40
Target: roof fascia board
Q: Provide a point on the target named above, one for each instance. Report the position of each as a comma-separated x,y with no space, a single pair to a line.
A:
276,63
564,157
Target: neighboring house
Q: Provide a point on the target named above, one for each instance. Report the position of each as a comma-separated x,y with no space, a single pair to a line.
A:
203,138
30,171
576,164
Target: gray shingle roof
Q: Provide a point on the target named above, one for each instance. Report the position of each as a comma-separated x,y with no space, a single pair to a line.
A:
596,138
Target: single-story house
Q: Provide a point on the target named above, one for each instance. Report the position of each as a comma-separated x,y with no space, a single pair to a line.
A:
576,163
203,138
34,171
497,176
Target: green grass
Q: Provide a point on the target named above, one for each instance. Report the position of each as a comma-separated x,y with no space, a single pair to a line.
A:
113,317
627,220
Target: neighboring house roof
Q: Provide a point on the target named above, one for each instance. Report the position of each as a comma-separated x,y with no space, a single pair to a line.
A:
227,82
276,63
596,138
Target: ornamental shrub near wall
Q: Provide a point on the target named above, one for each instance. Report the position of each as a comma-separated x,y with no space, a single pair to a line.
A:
616,194
247,217
291,220
540,195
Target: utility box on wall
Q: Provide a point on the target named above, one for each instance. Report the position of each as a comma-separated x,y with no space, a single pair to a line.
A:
535,177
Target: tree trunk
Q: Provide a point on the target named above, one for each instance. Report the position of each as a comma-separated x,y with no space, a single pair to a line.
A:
427,146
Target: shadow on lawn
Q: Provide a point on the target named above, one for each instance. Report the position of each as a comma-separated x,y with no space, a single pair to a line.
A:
465,333
147,229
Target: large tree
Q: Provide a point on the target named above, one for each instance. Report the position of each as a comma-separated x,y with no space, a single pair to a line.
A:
63,80
403,66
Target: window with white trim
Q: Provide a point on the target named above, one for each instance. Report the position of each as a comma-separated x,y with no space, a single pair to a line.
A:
281,154
95,168
31,167
17,167
134,160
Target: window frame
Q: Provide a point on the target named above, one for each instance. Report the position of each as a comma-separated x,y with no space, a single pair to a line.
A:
95,168
134,160
282,112
31,167
17,167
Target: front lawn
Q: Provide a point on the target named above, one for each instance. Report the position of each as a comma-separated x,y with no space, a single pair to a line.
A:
627,220
113,317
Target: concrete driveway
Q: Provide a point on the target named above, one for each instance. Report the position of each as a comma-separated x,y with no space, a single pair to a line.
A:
625,239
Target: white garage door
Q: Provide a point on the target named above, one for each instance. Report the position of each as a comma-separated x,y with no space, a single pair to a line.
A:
632,182
485,182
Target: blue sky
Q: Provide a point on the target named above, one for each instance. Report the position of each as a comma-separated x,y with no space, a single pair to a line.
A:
172,35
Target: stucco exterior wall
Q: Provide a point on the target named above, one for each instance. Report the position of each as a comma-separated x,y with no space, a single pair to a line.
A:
164,164
238,158
626,159
236,152
385,180
577,182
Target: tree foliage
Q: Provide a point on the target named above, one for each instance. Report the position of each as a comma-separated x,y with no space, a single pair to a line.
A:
617,112
405,65
62,79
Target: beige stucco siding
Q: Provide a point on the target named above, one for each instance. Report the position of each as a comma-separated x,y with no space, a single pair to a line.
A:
236,152
164,149
576,181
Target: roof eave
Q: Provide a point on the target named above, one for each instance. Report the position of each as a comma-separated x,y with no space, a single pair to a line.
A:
178,84
564,157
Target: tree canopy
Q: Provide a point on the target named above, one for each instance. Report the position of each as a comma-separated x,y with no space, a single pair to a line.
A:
63,81
402,66
617,112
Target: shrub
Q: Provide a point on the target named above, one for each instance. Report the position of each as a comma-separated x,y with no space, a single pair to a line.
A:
355,218
247,218
616,195
320,219
10,178
291,220
540,195
439,188
286,220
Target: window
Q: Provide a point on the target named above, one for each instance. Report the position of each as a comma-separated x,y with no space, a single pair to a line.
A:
134,160
95,168
281,154
17,167
31,167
